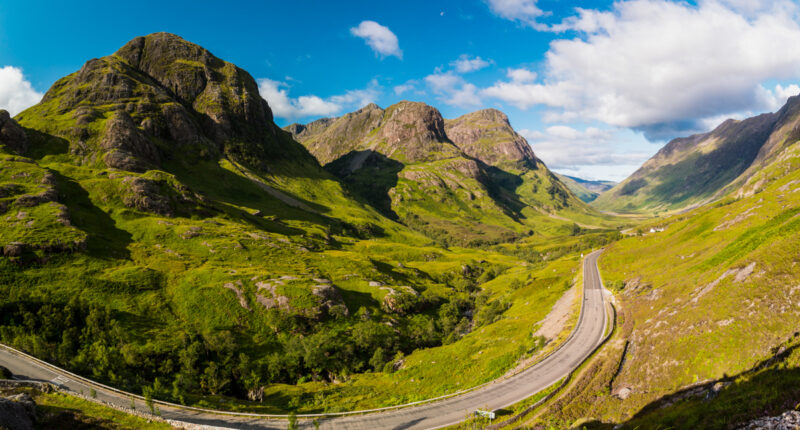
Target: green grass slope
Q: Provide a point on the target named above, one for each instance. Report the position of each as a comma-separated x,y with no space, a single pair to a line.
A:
710,312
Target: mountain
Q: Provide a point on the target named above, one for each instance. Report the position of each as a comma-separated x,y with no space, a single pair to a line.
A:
693,170
584,189
472,177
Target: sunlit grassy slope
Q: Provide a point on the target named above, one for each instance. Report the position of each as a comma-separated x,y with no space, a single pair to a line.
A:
713,298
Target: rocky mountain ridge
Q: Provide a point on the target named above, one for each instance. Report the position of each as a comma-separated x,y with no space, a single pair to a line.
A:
408,161
704,167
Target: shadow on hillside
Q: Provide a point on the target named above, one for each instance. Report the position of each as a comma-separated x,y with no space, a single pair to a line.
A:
369,175
768,389
42,144
235,191
502,188
104,239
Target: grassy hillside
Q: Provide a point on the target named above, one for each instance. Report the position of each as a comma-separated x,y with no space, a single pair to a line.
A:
710,311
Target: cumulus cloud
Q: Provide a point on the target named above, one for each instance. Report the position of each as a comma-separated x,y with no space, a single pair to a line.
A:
567,148
521,75
16,93
453,90
465,64
522,11
379,38
660,67
276,93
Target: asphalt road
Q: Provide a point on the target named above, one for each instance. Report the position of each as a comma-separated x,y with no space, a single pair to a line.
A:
497,395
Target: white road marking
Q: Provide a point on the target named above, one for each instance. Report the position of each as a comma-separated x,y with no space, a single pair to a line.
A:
59,380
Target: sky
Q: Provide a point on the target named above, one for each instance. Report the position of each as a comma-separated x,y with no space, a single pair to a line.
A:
596,87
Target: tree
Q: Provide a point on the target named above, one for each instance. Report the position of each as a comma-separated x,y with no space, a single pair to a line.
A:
214,380
378,359
292,421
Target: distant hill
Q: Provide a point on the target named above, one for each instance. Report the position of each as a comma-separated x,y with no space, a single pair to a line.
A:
692,170
585,189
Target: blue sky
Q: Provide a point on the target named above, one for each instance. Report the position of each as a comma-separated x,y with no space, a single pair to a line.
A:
596,90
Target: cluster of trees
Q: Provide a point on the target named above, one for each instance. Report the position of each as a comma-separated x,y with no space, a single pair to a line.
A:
177,363
583,242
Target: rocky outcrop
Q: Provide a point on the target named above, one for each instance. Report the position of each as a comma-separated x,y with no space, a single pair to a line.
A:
330,139
789,420
12,135
157,196
330,296
127,147
488,136
226,96
414,132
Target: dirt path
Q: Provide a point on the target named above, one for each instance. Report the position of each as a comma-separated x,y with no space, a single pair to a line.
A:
554,322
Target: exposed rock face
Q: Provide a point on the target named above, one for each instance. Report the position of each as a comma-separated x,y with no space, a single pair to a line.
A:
12,135
332,138
155,196
415,131
330,296
488,136
127,146
789,420
227,97
301,131
17,412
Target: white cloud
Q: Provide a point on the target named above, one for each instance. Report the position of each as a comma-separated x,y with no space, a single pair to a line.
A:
453,90
408,86
465,64
780,94
661,67
523,11
564,147
16,93
521,75
379,38
276,94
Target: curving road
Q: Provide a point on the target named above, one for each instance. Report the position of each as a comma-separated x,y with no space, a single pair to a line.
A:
502,393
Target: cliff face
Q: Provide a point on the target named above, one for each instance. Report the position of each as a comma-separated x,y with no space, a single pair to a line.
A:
488,136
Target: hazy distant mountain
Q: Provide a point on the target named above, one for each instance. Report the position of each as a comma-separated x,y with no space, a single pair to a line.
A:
585,189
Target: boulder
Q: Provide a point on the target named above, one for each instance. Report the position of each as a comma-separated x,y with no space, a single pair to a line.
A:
14,249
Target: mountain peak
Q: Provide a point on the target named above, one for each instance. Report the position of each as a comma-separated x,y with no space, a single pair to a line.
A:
488,136
169,89
412,123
